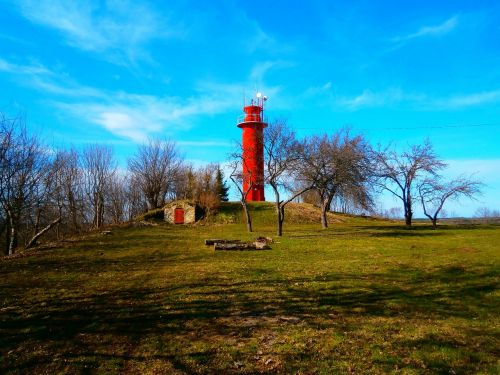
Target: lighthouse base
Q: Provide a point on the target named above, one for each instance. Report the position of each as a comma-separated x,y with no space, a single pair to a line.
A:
256,194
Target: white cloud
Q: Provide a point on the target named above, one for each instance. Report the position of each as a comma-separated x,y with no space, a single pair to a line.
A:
429,31
32,69
260,69
132,116
318,90
118,29
138,117
128,115
468,100
369,99
40,77
396,96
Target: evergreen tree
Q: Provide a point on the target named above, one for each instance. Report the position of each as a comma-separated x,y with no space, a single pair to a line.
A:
220,186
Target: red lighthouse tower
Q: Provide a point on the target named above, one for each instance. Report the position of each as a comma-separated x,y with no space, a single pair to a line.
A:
253,148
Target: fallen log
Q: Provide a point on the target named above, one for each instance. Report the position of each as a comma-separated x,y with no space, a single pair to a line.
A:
234,246
210,242
241,246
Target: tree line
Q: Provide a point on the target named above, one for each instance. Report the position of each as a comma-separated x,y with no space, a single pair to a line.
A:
56,193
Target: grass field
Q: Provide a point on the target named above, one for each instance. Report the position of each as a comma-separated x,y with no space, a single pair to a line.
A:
365,296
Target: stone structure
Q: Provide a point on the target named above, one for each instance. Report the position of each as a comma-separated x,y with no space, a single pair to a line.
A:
182,212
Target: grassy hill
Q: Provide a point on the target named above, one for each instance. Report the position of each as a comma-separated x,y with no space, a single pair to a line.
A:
263,214
364,296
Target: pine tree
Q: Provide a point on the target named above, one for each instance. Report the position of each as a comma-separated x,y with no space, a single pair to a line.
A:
220,186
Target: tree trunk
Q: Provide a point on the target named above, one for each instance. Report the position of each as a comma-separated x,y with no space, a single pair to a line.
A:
72,209
408,214
279,222
12,234
325,205
434,222
99,211
247,217
281,219
5,250
324,221
3,226
279,232
42,232
408,219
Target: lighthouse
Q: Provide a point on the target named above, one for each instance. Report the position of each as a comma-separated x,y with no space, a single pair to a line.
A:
253,123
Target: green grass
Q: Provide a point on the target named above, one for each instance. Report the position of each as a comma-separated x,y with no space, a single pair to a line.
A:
364,296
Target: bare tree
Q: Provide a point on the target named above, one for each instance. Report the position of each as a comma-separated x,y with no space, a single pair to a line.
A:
117,199
155,168
398,173
205,188
71,181
391,213
355,200
98,169
50,202
283,155
136,202
238,175
435,192
486,213
22,166
61,204
338,167
185,184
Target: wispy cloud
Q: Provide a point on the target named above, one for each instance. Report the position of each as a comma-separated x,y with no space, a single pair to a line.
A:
318,90
255,38
42,78
130,115
127,115
369,99
30,69
395,96
138,117
118,30
430,30
469,100
14,39
262,68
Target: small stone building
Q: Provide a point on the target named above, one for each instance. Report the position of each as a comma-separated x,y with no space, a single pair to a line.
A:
182,212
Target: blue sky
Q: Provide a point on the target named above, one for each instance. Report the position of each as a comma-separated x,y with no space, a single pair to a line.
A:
118,72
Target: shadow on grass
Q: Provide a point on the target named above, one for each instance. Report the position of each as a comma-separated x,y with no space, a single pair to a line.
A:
371,231
190,312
